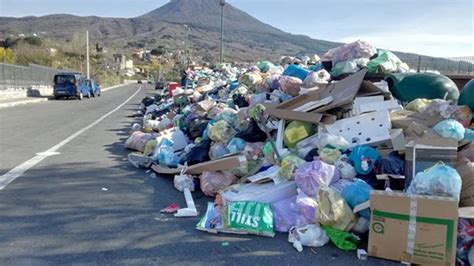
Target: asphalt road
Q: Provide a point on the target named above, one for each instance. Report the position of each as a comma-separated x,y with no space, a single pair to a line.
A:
89,205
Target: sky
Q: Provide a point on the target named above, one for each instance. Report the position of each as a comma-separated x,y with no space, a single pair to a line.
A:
442,28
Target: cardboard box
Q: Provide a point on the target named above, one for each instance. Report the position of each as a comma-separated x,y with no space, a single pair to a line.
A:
404,118
216,165
413,229
466,171
423,153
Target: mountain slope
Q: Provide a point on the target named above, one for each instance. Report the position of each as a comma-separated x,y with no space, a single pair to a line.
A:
246,38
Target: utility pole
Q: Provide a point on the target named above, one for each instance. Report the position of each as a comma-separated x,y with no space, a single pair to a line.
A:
87,55
222,2
186,62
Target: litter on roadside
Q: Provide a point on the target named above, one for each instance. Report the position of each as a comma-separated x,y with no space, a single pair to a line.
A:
321,152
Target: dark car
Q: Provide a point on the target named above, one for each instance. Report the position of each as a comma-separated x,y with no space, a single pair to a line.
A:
94,87
160,85
70,85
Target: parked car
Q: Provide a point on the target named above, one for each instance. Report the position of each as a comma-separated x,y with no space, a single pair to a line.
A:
68,85
94,87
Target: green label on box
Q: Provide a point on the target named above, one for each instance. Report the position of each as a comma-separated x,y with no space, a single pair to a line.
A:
251,217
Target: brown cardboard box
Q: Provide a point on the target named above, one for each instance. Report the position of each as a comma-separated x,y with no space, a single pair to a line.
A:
427,224
404,118
466,171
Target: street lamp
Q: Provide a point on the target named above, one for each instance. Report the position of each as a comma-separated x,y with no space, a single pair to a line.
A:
186,46
222,2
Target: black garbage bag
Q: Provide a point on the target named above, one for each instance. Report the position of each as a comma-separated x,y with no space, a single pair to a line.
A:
147,101
311,154
198,154
240,101
392,164
252,133
371,179
196,128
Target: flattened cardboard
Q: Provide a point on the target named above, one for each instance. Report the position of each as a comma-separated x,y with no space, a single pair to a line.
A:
367,88
288,114
433,228
216,165
404,118
341,93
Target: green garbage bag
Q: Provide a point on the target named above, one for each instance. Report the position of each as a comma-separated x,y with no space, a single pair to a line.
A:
386,62
467,95
265,66
297,131
341,239
407,87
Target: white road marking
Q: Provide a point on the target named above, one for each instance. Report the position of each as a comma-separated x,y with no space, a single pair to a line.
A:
16,172
48,153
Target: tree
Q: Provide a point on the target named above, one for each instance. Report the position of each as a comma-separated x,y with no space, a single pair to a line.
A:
160,50
7,55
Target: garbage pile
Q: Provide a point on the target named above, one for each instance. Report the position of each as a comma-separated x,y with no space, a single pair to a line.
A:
310,148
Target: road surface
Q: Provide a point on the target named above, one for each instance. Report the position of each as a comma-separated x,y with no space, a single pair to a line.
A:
82,202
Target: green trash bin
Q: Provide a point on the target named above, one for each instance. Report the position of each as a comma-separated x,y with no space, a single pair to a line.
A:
407,87
467,95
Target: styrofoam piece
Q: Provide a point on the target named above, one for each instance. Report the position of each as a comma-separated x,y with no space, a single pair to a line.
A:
373,104
191,210
363,129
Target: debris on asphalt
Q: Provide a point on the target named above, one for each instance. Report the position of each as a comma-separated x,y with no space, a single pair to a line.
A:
172,208
325,149
105,189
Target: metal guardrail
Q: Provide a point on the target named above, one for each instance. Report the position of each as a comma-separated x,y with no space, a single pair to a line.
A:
14,76
446,66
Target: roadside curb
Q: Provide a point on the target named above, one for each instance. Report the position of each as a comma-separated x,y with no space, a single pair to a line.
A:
28,101
113,87
23,102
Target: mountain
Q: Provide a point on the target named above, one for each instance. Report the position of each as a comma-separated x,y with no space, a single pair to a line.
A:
246,38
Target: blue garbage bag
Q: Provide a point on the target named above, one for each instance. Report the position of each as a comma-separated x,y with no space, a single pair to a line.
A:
357,193
450,129
364,158
440,180
296,71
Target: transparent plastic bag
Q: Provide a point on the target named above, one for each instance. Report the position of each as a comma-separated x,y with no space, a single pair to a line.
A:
221,131
236,145
218,150
311,175
311,235
213,182
329,140
329,155
346,169
439,180
286,214
230,116
138,140
290,85
307,205
288,166
297,131
333,210
167,157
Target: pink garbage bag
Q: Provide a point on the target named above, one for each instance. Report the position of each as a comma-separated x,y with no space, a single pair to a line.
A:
311,175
